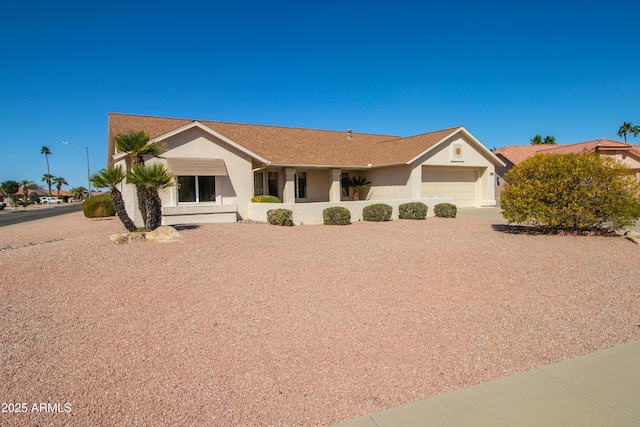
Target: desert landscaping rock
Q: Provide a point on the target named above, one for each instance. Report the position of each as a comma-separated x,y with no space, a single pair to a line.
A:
164,233
634,236
240,325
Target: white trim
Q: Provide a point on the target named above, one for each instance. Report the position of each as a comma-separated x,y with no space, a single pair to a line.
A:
478,144
197,124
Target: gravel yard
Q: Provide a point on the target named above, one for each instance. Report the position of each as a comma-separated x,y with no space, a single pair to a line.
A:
258,325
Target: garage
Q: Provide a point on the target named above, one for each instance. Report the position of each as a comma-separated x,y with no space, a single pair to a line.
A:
459,183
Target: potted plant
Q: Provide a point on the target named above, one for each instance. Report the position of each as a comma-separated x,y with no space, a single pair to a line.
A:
357,183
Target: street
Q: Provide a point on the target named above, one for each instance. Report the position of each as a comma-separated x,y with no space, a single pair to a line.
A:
10,216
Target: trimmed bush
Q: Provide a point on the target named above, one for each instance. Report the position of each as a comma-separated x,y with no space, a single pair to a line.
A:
413,210
98,206
572,192
377,213
336,215
265,199
445,210
280,217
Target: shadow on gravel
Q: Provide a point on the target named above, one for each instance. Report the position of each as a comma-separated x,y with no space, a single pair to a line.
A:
181,227
536,231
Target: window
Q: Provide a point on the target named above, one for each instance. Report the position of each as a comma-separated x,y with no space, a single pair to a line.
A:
497,181
258,183
272,183
345,185
196,189
301,185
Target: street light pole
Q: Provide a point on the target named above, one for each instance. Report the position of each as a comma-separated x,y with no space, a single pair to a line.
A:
86,147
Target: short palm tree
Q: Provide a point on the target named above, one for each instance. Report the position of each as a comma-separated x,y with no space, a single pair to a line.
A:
27,185
78,192
628,127
45,150
59,181
137,145
111,178
151,179
357,183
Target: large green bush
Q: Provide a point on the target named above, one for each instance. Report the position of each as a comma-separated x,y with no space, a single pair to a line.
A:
574,192
336,215
98,206
413,210
377,212
445,210
265,199
280,217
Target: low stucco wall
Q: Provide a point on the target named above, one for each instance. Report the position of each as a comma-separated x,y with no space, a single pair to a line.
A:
311,213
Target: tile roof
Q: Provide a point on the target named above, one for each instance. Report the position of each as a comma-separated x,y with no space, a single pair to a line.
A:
295,146
518,153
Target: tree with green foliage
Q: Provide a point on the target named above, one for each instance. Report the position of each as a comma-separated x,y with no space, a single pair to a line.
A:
27,185
357,183
151,179
48,178
574,192
59,182
538,140
78,192
628,127
111,178
136,144
45,150
10,188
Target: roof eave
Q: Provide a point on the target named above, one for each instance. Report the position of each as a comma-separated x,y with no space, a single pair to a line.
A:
197,124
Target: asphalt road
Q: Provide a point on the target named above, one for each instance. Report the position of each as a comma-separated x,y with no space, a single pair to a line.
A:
10,216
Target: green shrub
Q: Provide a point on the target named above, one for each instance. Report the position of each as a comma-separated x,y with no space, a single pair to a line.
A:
445,210
413,210
574,192
265,199
377,213
280,217
336,215
98,206
65,199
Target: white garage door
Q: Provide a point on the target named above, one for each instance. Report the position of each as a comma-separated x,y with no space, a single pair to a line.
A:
459,183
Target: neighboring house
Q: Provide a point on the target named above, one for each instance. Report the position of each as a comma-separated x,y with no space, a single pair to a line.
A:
220,166
511,155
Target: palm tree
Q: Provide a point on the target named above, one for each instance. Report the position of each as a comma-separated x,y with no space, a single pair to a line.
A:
549,139
357,183
59,181
45,150
27,185
628,127
48,178
78,192
536,140
151,178
137,145
111,178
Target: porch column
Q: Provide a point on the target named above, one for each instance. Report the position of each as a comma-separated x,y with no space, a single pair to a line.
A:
289,191
416,181
335,185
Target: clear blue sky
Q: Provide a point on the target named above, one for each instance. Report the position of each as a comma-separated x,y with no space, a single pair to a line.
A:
506,70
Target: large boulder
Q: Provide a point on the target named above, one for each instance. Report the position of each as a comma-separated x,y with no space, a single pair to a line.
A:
634,236
164,233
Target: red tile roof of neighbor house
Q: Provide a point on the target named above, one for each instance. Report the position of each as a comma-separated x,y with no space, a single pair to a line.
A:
294,146
518,153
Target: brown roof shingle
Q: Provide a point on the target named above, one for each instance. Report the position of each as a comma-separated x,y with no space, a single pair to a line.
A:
294,146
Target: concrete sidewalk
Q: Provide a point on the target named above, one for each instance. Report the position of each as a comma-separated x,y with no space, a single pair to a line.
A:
598,389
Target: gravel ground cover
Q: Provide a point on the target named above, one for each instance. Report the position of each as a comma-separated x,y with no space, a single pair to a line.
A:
259,325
